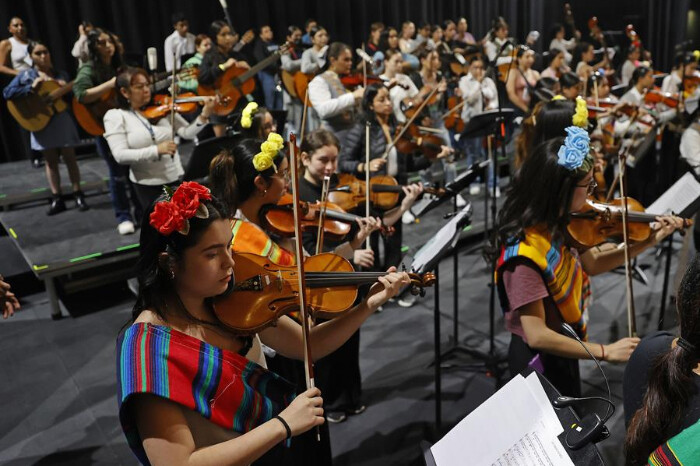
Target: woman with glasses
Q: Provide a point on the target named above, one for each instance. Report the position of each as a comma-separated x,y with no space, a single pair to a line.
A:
144,145
542,278
94,81
60,135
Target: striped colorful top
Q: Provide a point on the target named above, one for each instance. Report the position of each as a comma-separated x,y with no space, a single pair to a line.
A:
223,386
562,272
248,237
681,450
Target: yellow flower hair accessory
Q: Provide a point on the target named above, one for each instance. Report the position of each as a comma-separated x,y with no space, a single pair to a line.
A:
558,97
247,115
580,118
268,151
696,54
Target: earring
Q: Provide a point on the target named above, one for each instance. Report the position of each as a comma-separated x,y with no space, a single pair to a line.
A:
264,193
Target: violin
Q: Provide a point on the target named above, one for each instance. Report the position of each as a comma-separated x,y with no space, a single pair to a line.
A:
413,140
336,222
597,222
354,80
385,192
654,96
452,118
269,291
162,104
606,105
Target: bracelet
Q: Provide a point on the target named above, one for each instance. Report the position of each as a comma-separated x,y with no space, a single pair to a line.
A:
602,350
286,427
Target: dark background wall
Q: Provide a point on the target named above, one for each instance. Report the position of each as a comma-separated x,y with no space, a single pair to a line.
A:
143,23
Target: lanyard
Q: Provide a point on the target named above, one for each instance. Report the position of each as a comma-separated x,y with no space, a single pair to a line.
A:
146,124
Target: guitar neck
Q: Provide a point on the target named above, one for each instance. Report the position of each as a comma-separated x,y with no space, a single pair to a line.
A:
240,79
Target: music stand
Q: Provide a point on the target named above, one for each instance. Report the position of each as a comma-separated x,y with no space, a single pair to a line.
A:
203,153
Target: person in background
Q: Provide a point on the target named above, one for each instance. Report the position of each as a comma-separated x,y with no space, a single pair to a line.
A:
13,50
179,43
202,44
559,43
497,41
463,35
59,136
661,386
306,39
630,64
291,63
556,66
375,32
522,81
571,85
264,47
314,59
80,47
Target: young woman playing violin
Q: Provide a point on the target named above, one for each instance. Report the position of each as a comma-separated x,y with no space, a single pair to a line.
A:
542,280
147,147
192,390
219,58
256,122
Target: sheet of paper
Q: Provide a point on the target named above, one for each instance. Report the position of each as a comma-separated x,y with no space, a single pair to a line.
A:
513,425
678,197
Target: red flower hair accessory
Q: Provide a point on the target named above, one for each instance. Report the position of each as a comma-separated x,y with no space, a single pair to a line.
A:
184,203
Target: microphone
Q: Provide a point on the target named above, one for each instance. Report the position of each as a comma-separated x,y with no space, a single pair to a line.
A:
152,56
362,54
505,44
591,427
223,4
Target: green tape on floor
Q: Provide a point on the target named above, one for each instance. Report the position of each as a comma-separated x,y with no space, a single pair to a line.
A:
404,248
131,246
12,232
3,196
467,228
89,256
40,267
38,190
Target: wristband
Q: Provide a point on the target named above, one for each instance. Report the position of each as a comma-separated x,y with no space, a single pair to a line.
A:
602,350
286,427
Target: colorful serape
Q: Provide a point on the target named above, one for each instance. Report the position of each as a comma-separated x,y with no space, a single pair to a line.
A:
248,237
566,280
681,450
222,386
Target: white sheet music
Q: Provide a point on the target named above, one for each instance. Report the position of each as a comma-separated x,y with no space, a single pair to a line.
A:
678,197
517,426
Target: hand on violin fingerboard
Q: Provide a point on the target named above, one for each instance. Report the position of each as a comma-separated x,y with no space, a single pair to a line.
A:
389,286
666,225
367,226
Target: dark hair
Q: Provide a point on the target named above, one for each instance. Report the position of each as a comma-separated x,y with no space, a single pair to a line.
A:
545,89
631,49
683,59
569,79
540,193
336,49
33,44
92,37
199,38
522,50
155,284
317,139
556,27
232,174
315,30
595,79
257,121
553,53
638,73
376,26
260,29
384,40
309,21
671,378
548,120
498,23
124,79
215,27
388,53
371,92
446,23
177,17
292,29
581,48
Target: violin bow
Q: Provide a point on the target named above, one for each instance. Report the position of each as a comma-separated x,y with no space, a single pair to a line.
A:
298,249
631,317
172,106
322,213
367,148
303,115
410,121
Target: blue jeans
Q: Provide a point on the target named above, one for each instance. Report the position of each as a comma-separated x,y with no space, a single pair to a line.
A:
118,184
475,151
273,98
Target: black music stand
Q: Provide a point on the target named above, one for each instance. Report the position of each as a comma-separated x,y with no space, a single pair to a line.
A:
203,153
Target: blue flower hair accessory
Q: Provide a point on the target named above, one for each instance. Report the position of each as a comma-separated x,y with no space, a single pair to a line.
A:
574,154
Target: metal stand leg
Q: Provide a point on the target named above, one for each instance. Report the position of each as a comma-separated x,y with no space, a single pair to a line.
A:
53,298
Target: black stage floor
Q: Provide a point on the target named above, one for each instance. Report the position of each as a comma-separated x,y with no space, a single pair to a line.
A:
58,391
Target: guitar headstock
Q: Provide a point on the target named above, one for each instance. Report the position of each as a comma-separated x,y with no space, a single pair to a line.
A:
248,36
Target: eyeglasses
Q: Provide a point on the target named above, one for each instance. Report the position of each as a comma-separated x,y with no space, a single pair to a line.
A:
284,175
591,185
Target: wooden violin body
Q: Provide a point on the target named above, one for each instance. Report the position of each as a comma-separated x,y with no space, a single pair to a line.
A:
279,218
385,192
264,291
597,222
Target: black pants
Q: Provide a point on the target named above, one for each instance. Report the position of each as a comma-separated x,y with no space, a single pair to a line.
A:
563,373
147,194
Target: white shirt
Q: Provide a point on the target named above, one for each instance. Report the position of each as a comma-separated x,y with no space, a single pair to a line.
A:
19,56
563,45
312,61
131,144
80,49
626,73
492,47
690,146
397,94
474,93
635,97
178,44
320,97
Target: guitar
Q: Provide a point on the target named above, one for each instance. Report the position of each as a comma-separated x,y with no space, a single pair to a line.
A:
89,116
237,82
33,112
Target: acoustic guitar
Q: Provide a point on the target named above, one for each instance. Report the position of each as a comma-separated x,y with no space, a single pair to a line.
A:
33,112
237,82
